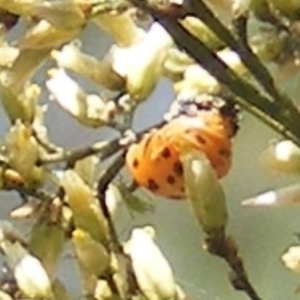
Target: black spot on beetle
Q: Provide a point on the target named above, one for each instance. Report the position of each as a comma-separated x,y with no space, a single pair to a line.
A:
166,153
152,185
201,139
171,179
177,168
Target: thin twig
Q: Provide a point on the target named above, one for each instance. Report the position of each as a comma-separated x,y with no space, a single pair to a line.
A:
45,143
248,96
277,112
240,28
104,148
102,186
116,246
39,194
249,59
226,248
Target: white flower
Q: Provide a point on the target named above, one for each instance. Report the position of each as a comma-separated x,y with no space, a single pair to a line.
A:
152,271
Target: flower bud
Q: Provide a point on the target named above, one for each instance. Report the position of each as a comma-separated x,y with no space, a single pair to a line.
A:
121,26
18,101
44,35
5,296
240,7
18,7
23,153
26,210
11,179
30,275
291,259
62,15
8,55
53,235
151,269
283,156
70,57
85,207
288,196
141,64
204,192
113,198
208,84
176,63
92,257
198,29
102,290
191,83
90,110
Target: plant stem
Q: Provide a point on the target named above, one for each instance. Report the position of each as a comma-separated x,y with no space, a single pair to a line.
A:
249,59
277,111
283,121
102,186
225,247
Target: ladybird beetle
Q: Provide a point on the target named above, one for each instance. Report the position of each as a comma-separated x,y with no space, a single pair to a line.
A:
154,161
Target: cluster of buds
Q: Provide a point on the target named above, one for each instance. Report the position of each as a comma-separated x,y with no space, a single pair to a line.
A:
266,10
133,64
29,273
140,54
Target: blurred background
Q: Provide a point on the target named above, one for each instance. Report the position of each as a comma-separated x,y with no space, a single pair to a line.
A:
262,234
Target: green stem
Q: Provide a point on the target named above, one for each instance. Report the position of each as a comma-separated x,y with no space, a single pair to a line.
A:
249,59
105,149
225,247
250,98
102,186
